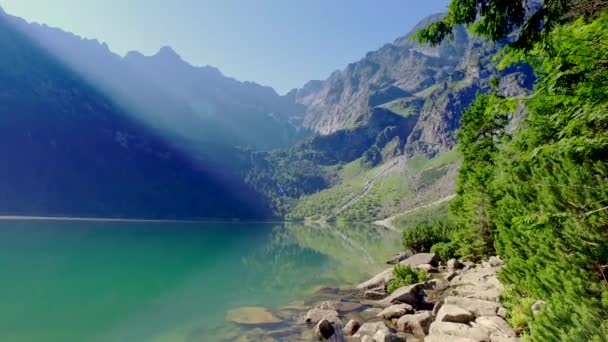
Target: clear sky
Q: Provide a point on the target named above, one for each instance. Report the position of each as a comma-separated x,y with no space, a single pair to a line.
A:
281,43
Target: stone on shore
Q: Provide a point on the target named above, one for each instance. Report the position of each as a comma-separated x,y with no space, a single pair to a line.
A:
252,316
324,329
454,264
455,314
387,336
495,261
474,333
399,257
375,294
478,307
496,325
427,268
314,316
396,311
380,280
370,329
403,295
421,259
351,327
447,338
417,324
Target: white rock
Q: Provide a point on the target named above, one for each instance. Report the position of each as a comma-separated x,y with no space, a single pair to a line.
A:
387,336
351,327
380,280
396,311
407,294
478,307
370,329
417,324
447,338
496,325
495,261
420,259
536,307
460,330
455,314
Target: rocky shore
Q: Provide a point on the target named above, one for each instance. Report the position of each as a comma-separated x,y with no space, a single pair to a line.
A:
458,302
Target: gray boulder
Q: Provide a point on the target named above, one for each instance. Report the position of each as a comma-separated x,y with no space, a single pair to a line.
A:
474,333
375,294
417,324
314,316
407,294
537,307
455,314
370,329
495,261
387,336
351,327
447,338
380,280
497,326
454,264
399,257
396,311
478,307
421,259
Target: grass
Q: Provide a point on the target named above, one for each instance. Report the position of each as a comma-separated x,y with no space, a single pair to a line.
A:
419,164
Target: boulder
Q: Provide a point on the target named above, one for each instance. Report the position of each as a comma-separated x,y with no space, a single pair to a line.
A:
447,338
421,259
380,280
396,311
407,294
536,307
399,257
324,329
417,324
459,330
502,312
495,261
340,306
427,268
351,327
454,264
252,316
370,329
387,336
452,313
314,316
367,339
369,314
478,307
375,294
496,325
451,275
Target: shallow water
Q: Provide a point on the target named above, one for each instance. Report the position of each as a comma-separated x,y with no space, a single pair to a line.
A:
142,281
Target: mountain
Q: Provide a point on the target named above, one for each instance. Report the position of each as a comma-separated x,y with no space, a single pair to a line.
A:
387,128
198,105
68,150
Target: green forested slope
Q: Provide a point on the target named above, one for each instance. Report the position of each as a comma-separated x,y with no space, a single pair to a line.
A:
538,196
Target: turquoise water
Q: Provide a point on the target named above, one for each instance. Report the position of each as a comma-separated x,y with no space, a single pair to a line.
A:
124,281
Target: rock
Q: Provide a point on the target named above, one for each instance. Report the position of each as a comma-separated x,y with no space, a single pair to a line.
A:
407,294
478,307
252,316
351,327
417,324
459,330
340,306
316,315
452,313
495,261
454,264
399,257
494,338
370,313
387,336
437,307
324,329
447,338
380,280
325,290
370,329
396,311
537,307
496,325
420,259
502,312
374,294
451,275
367,339
427,268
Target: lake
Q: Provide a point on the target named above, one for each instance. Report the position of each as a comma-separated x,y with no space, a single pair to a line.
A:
166,281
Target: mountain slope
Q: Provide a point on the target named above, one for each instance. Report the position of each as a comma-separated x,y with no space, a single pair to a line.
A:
68,150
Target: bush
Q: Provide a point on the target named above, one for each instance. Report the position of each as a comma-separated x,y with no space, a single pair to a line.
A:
444,250
405,275
422,237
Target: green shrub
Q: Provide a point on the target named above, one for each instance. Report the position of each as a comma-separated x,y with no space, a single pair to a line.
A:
444,250
405,275
422,237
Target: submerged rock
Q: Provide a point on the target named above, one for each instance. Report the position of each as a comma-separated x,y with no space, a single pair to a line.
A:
316,315
252,316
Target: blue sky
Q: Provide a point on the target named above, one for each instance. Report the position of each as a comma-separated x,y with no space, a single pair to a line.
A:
281,43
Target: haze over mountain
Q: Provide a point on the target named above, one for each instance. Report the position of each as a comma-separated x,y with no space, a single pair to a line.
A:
400,102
